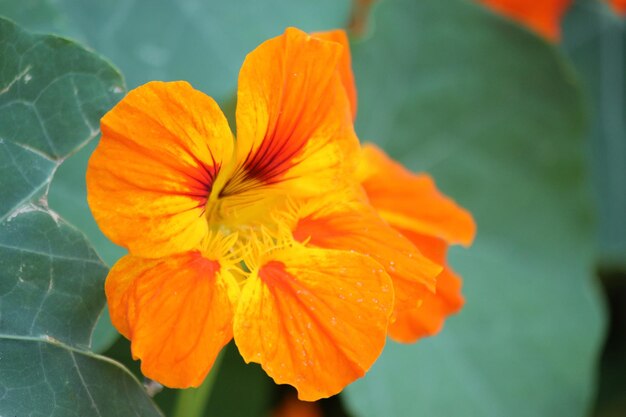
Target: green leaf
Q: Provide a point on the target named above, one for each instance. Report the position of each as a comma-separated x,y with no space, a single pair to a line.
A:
47,109
46,379
496,116
595,39
52,280
52,94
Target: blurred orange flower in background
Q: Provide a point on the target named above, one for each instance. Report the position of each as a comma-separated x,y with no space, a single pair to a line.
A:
619,6
543,16
291,239
290,406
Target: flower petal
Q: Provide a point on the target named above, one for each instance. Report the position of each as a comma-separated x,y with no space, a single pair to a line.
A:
294,123
345,64
177,312
427,319
410,201
358,228
313,318
149,178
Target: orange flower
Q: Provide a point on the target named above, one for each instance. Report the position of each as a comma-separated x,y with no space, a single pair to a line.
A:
544,17
619,6
216,227
290,406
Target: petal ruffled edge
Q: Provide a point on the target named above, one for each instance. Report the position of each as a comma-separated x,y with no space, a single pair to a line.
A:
409,201
345,64
428,317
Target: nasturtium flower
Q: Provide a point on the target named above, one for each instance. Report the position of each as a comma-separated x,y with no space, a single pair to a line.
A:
281,238
543,17
619,6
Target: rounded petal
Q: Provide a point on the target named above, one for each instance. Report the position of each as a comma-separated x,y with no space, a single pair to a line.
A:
427,318
358,228
313,318
345,64
177,312
294,122
409,201
150,176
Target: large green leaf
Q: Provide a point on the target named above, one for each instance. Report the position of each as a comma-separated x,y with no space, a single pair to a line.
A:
595,39
45,379
51,279
52,93
48,108
496,116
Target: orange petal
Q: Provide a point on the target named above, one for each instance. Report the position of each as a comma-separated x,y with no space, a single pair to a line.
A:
294,123
411,201
313,318
358,228
544,17
177,312
345,64
428,317
149,178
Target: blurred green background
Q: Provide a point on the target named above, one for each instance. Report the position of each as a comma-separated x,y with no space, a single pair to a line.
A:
528,135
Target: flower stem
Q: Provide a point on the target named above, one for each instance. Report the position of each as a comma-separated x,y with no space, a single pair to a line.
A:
192,402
